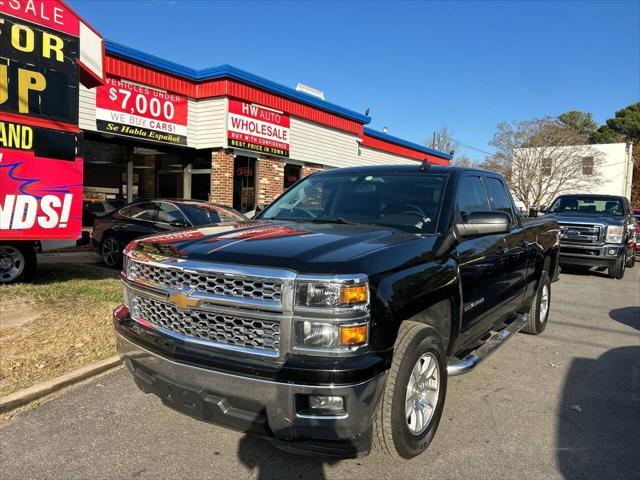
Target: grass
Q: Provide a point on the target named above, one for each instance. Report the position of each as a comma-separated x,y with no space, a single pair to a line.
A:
68,323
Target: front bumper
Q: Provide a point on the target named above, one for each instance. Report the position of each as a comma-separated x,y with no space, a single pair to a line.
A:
590,255
258,406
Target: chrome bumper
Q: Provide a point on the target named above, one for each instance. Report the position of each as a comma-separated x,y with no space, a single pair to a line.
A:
249,404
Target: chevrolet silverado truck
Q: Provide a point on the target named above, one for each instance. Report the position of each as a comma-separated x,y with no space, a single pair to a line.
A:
596,230
332,321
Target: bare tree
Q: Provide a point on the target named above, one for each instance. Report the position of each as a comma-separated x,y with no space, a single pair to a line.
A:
464,161
542,158
441,141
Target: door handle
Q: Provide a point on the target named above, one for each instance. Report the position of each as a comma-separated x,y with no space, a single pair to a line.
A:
502,251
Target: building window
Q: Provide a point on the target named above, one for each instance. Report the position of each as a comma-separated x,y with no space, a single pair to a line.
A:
546,167
587,166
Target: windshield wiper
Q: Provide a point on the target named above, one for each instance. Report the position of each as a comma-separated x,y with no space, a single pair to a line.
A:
339,220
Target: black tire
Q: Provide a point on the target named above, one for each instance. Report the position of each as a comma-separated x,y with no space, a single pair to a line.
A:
111,252
631,261
391,434
539,317
617,271
18,263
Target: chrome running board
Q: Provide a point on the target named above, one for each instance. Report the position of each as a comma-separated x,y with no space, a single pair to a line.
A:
458,366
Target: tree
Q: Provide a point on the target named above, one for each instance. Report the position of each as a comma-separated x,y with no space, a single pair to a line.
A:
581,122
464,161
625,127
441,141
543,157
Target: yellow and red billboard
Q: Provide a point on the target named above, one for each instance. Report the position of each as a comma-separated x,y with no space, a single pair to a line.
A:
40,150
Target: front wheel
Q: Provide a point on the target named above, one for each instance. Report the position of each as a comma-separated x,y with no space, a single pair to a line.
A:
17,263
411,405
618,269
631,260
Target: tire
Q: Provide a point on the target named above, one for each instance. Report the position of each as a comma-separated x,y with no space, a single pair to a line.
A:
631,261
17,263
539,310
392,435
617,271
111,252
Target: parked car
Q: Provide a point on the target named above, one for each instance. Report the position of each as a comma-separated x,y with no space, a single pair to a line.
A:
595,231
96,209
113,231
335,318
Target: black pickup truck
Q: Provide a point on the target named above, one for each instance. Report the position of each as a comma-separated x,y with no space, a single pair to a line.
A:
331,322
596,230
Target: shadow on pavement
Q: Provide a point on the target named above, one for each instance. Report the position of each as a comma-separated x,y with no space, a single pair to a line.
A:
629,316
602,272
598,431
267,462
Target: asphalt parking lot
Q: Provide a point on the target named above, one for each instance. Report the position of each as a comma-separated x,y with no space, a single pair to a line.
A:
565,404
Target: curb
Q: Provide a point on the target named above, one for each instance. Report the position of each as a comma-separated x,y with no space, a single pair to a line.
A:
35,392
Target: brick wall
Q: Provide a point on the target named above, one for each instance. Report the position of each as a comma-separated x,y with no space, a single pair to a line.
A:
310,168
222,177
270,179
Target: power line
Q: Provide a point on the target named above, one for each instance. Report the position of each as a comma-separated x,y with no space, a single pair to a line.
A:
469,146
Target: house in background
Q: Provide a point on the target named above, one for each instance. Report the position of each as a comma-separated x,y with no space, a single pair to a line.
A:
616,168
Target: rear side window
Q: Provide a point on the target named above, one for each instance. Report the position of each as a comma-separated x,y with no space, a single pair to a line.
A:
471,197
498,196
141,211
169,213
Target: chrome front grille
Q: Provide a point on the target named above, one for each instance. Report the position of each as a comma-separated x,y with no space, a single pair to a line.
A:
218,328
580,233
206,282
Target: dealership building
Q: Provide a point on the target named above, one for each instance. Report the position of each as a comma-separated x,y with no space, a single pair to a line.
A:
159,129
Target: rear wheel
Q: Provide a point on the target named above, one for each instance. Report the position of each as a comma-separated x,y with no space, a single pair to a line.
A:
539,311
617,271
411,405
17,263
111,252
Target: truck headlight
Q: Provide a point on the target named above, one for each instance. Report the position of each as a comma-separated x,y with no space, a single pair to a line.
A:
614,234
331,315
331,335
322,294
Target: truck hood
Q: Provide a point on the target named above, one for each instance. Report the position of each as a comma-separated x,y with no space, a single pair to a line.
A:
300,246
585,218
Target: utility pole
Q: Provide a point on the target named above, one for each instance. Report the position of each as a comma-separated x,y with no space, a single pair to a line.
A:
433,142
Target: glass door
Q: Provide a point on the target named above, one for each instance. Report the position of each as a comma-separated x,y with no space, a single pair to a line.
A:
244,184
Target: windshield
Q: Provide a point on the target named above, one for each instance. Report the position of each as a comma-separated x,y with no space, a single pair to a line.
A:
588,205
409,202
204,214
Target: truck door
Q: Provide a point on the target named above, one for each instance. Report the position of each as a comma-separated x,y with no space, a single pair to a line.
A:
482,261
517,247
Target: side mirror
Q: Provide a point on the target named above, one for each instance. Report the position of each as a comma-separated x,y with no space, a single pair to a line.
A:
533,212
484,223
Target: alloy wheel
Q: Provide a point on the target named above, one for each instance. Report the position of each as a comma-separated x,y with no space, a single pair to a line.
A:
423,390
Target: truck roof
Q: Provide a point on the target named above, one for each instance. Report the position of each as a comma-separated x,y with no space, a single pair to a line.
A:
408,168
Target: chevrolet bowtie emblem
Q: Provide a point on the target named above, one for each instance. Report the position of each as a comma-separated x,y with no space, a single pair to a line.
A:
182,301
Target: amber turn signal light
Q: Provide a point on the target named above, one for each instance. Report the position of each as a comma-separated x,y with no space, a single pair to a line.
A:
353,335
353,294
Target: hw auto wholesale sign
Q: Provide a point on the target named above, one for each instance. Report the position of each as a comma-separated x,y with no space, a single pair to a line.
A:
133,110
40,166
256,128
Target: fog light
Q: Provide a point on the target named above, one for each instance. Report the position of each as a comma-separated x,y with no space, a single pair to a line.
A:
612,251
322,402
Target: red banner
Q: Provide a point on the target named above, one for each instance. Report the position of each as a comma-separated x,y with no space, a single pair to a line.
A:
143,112
48,13
256,128
39,197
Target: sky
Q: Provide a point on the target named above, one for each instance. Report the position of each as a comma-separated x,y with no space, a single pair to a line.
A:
417,65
